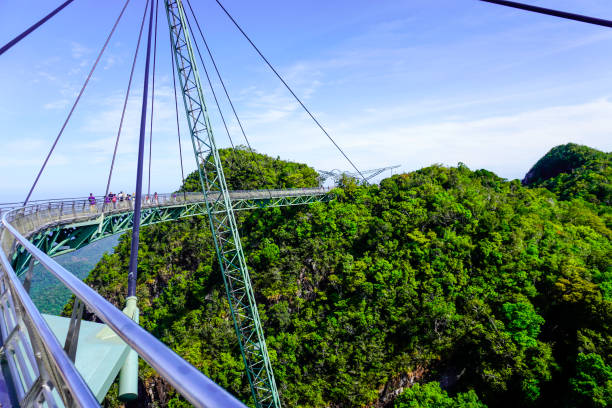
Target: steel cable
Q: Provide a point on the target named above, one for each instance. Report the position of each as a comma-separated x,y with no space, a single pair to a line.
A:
212,89
127,95
76,102
256,163
152,97
219,76
289,89
555,13
33,27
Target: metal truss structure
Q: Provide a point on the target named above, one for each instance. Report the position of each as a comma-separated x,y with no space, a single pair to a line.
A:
75,225
337,175
220,210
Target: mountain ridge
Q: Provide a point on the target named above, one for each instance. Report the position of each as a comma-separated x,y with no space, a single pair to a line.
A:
574,171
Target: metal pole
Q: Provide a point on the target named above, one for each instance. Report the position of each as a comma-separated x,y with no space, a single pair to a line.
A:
133,268
224,229
550,12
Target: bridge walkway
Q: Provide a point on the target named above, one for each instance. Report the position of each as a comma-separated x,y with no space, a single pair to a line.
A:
63,225
40,370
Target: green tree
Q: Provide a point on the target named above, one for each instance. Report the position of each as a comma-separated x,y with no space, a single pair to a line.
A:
246,169
430,395
592,384
574,171
523,322
474,281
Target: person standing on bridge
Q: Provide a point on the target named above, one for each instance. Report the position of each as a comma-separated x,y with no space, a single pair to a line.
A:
155,199
92,202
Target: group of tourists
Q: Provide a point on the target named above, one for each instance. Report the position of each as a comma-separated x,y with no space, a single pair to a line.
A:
154,199
120,200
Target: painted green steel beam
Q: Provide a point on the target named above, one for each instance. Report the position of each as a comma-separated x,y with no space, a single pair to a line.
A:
220,210
62,238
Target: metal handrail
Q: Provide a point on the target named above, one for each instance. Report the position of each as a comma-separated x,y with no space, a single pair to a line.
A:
165,198
184,377
72,379
33,217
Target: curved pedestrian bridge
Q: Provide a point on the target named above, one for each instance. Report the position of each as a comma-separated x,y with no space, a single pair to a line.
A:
60,226
58,361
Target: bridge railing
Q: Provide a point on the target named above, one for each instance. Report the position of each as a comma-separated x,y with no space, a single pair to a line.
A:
39,215
42,371
37,361
149,200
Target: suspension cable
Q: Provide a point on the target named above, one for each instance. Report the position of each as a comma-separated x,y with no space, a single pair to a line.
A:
232,159
125,101
214,94
289,89
555,13
33,27
233,155
76,102
133,265
256,163
178,127
219,75
153,96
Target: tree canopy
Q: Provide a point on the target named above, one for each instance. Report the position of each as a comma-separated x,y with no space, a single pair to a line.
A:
478,290
245,169
574,171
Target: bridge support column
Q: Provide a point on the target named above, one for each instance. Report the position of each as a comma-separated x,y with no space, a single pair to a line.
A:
128,379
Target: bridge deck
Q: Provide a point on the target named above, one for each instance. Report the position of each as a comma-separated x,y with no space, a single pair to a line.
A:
43,229
75,213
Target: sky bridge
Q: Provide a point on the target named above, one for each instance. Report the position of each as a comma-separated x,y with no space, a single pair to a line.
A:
57,361
60,226
47,228
61,361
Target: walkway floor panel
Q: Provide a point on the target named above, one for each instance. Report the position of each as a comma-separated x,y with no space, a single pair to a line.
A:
100,352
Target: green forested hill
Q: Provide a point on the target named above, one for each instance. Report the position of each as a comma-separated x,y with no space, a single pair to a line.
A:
483,291
246,169
574,171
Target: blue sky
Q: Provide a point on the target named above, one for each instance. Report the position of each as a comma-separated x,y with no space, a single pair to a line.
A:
395,82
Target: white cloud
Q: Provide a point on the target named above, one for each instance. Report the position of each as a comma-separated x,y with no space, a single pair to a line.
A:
78,51
58,104
508,145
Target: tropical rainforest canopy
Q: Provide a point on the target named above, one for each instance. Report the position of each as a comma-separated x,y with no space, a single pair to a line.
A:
444,287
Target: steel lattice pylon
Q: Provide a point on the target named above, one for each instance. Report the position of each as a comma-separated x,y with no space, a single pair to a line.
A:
221,215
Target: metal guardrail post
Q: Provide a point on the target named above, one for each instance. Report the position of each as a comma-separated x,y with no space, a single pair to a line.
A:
72,338
28,278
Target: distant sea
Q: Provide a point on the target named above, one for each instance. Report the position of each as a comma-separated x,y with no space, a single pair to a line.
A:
48,293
